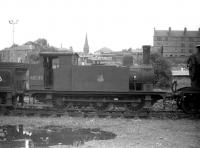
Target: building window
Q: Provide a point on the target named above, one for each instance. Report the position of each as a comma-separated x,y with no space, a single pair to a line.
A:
191,39
182,45
182,39
159,38
56,63
191,45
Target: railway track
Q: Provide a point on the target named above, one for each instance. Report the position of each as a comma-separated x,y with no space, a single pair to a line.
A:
52,112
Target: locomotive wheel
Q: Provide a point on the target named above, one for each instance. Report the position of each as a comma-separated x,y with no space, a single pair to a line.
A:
58,102
100,106
189,104
137,105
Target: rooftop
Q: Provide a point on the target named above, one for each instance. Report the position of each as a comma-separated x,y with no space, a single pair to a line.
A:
103,50
57,53
22,47
177,33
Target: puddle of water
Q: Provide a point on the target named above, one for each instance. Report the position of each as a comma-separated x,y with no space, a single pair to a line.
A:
15,136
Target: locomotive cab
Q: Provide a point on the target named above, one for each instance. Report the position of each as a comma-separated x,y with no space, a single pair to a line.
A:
53,61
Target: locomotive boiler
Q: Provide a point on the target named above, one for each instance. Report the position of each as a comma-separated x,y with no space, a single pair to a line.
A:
141,76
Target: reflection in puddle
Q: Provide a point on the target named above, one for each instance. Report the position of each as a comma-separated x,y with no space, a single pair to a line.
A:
15,136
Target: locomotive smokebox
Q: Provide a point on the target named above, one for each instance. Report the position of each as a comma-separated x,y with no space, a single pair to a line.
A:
146,54
141,76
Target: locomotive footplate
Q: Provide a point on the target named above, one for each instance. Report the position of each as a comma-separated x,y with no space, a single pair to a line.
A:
132,100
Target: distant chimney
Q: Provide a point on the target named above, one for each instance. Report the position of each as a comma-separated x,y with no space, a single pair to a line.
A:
169,30
185,30
146,54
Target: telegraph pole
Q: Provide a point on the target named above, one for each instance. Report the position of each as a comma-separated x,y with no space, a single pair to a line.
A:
13,23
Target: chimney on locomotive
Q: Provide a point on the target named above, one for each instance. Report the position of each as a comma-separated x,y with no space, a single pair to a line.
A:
146,54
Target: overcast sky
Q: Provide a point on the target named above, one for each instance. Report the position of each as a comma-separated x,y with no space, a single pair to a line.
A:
117,24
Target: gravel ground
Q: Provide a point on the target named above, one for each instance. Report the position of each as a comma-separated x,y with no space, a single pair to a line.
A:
136,133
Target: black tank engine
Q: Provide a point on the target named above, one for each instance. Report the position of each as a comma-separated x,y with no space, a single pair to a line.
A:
58,79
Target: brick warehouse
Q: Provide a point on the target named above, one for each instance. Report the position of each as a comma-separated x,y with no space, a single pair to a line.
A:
175,43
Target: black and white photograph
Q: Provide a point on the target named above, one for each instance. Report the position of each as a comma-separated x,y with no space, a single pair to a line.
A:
99,74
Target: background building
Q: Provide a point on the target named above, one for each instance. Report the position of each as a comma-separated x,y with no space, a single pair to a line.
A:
105,56
16,53
175,43
29,52
108,57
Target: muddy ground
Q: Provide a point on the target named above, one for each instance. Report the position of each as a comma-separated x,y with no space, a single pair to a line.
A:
139,133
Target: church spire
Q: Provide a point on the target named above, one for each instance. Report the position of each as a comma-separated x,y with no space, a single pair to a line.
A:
86,46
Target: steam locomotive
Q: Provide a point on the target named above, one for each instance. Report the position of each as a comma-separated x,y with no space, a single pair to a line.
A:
188,97
57,79
12,83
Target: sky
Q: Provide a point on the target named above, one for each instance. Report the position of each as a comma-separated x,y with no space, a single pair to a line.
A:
116,24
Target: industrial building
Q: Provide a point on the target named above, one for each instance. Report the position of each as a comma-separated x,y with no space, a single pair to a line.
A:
175,43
